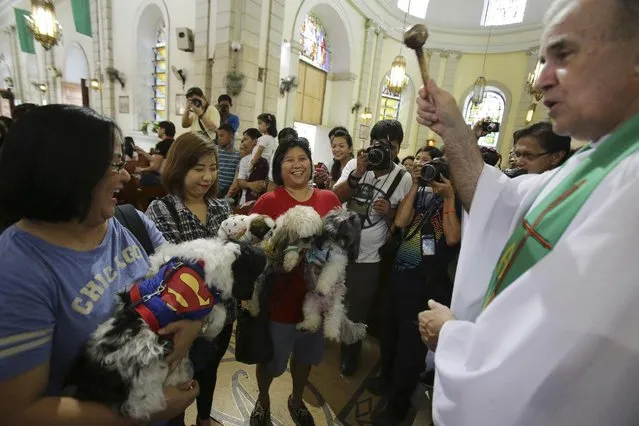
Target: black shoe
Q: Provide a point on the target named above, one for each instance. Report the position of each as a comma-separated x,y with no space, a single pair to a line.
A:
260,416
300,415
350,359
386,417
378,385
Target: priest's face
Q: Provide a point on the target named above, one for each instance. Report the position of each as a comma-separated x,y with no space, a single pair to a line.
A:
590,76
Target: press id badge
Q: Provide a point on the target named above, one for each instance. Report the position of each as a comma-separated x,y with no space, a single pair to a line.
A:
428,245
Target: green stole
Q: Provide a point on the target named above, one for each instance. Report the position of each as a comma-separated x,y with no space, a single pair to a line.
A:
544,225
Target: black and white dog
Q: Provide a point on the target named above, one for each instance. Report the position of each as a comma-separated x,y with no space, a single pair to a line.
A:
123,365
326,261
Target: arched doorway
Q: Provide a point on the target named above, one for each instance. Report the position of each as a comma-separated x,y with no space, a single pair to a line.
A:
76,71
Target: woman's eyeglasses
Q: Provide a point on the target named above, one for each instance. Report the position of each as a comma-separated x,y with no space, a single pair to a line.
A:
118,167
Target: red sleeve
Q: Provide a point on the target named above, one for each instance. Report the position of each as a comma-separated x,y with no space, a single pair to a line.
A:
327,202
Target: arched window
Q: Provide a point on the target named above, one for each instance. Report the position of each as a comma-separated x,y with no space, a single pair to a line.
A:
159,74
503,12
493,106
315,48
389,102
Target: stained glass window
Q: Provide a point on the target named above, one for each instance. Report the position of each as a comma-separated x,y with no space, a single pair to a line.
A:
160,74
389,102
414,7
503,12
493,106
315,48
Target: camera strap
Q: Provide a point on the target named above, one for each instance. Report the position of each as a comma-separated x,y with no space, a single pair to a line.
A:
199,121
395,183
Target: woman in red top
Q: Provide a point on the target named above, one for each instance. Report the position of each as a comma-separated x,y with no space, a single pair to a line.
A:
292,172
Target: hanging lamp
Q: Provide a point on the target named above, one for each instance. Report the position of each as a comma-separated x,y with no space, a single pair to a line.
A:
398,78
479,88
43,24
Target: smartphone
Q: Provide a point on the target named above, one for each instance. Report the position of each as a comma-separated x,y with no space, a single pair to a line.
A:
490,127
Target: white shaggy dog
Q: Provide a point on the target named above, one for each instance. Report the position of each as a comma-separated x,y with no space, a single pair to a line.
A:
326,271
293,233
123,365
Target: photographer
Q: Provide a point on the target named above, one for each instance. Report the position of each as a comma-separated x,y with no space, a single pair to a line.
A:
372,185
430,217
198,116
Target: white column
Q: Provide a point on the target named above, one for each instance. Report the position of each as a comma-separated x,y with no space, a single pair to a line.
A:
451,69
18,88
373,93
365,75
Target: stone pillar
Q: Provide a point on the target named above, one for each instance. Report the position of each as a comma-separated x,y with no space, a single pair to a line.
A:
374,91
340,96
451,69
16,74
291,97
102,100
365,75
52,80
201,67
526,98
257,26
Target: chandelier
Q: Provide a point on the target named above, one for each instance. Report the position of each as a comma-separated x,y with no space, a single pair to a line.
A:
397,79
42,23
479,88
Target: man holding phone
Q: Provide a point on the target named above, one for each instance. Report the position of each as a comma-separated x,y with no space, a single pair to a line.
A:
198,116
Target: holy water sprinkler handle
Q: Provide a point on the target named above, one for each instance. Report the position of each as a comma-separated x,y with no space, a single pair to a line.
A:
414,38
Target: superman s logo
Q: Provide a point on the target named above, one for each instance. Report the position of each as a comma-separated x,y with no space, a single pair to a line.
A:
187,292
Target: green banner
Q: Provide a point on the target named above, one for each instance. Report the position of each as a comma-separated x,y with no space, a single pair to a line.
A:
24,33
82,16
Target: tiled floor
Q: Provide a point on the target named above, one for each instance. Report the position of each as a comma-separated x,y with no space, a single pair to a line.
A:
331,398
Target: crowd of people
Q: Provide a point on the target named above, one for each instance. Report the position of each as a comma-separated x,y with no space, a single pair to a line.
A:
529,312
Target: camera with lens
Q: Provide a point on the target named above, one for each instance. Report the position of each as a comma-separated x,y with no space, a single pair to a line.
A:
514,172
490,127
433,171
379,156
196,103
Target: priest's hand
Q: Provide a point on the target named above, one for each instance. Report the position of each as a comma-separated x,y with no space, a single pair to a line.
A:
432,321
438,110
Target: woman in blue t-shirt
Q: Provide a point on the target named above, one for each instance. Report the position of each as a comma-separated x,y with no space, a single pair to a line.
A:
63,262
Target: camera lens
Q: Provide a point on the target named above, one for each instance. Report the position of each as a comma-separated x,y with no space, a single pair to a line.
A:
429,173
375,157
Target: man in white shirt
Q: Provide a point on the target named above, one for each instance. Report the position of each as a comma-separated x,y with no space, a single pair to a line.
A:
543,328
199,116
371,185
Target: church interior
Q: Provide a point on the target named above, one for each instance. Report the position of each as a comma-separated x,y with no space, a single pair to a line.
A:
314,65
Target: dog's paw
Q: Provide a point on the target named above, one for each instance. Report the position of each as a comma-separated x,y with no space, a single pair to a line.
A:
305,327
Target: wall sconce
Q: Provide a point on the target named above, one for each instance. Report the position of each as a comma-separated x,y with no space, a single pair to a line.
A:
42,23
95,84
431,142
367,115
115,74
56,72
531,112
42,87
532,81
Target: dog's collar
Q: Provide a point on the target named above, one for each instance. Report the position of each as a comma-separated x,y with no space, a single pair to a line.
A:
177,291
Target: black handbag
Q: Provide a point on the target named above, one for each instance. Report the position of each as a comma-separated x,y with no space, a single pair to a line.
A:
253,342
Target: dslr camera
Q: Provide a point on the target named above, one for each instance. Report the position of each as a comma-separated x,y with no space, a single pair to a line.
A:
196,103
379,156
490,127
433,171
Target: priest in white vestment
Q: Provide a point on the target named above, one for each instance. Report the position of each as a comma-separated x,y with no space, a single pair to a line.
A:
560,344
